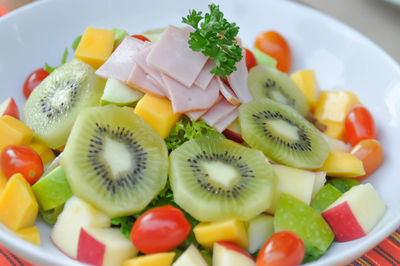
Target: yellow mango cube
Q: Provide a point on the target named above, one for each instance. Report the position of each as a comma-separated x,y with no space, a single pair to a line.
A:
13,132
159,259
46,154
335,130
95,46
18,205
3,181
158,113
231,230
30,234
307,83
333,106
342,164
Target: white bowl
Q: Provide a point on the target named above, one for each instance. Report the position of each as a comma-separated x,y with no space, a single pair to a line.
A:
343,60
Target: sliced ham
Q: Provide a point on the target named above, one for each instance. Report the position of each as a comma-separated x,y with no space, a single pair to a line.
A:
140,80
120,64
238,81
195,115
218,112
223,124
186,99
228,93
172,55
140,59
205,76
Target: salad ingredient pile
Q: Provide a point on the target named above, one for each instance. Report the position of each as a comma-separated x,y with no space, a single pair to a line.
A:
182,147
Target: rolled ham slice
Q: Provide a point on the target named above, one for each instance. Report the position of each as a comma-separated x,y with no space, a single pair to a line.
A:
140,80
218,112
238,81
224,123
228,93
120,64
172,55
186,99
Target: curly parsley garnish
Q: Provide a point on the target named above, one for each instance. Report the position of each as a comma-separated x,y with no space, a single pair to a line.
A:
215,38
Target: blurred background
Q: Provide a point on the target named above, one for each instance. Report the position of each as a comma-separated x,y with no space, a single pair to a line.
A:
379,20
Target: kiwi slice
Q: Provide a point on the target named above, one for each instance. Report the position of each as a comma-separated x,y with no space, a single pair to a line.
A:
55,103
282,134
271,83
215,179
115,160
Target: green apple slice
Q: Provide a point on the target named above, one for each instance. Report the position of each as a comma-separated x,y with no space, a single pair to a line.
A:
259,229
118,93
119,36
296,216
325,197
264,59
52,190
343,184
50,216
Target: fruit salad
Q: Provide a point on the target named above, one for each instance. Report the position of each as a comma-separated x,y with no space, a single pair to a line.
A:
180,146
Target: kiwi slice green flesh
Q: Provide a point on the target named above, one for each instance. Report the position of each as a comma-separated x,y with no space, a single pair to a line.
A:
215,179
282,134
115,160
271,83
55,103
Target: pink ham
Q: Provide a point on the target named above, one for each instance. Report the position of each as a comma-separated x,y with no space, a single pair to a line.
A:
195,115
140,80
218,112
140,59
228,93
205,76
238,81
173,56
186,99
224,123
119,65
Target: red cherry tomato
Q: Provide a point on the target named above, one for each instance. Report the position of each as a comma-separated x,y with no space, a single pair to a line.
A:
141,37
359,125
160,229
273,44
250,59
3,10
33,80
370,152
282,249
21,159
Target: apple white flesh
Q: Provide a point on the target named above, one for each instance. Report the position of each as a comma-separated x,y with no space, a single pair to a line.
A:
76,214
104,247
335,144
259,229
9,107
191,256
229,254
118,93
319,182
355,213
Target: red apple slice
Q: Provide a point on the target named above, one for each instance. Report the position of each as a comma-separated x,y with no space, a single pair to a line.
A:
9,107
232,132
230,254
355,213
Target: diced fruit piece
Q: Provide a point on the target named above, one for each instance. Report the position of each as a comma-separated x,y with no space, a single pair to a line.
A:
370,152
229,254
118,93
295,182
153,35
334,130
52,190
46,154
104,247
343,184
319,182
232,132
259,229
159,259
18,205
95,46
50,216
325,197
33,80
230,230
3,181
342,164
359,125
336,144
30,234
76,215
250,59
119,36
355,213
9,107
294,215
13,132
191,256
307,83
264,59
158,113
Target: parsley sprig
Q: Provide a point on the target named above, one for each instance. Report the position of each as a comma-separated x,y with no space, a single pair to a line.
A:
215,38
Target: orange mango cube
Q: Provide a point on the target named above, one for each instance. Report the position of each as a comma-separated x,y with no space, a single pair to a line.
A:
158,113
159,259
95,46
342,164
335,130
18,205
14,132
30,234
46,154
307,83
3,181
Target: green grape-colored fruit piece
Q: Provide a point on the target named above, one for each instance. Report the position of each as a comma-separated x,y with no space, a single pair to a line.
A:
325,197
343,184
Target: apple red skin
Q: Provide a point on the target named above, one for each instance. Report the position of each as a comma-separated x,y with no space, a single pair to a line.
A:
232,135
233,246
343,223
11,109
90,250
